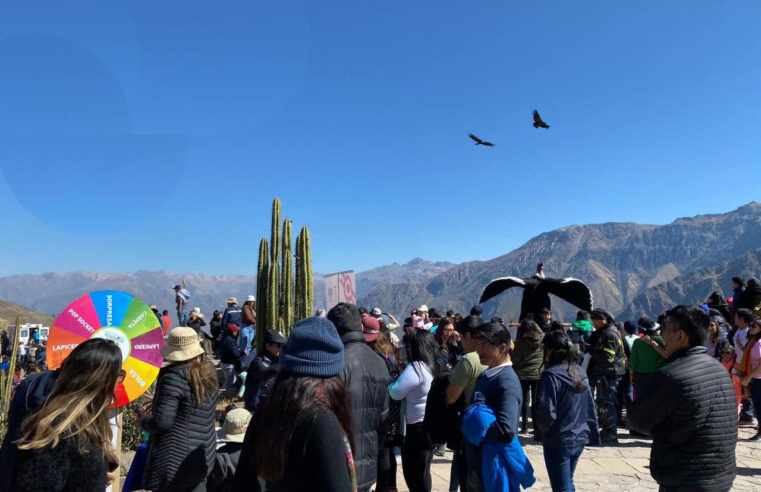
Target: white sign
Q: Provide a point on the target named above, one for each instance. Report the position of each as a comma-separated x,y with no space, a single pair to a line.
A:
340,287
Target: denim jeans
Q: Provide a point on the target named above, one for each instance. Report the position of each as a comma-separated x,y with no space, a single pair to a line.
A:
246,338
182,317
561,463
606,389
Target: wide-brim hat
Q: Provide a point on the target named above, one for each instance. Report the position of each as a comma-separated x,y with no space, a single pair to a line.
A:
182,344
236,423
232,300
250,299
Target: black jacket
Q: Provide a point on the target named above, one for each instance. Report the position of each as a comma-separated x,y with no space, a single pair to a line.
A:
229,352
607,351
316,460
690,408
196,324
261,374
62,468
181,446
215,327
750,297
29,397
222,478
367,380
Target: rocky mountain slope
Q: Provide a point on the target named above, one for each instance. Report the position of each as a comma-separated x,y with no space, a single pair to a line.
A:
51,292
694,287
9,311
617,260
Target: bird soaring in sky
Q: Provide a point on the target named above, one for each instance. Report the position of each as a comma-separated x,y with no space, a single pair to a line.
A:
538,123
481,142
537,290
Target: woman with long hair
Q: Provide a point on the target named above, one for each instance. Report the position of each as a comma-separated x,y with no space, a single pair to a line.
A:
66,444
528,358
181,424
449,346
300,438
393,427
566,410
413,386
717,336
750,369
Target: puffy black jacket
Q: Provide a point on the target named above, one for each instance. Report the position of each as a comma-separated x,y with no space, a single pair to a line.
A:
607,351
261,374
29,397
367,380
690,408
181,446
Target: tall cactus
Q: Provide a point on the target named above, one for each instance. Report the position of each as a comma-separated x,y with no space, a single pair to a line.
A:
262,272
282,300
273,296
309,276
304,275
286,288
298,302
273,280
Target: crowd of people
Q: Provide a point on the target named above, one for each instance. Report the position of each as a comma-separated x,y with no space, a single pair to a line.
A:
330,407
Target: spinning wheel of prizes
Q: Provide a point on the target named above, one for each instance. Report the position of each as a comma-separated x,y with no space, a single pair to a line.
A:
121,318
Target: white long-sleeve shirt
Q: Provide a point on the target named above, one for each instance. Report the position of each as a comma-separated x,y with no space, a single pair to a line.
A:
413,386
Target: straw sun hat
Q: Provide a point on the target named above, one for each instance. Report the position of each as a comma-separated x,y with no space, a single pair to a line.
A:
236,423
182,344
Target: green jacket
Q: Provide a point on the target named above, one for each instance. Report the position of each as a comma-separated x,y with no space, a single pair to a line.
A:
528,357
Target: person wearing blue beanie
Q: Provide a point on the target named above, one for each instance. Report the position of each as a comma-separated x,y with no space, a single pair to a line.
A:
313,349
301,436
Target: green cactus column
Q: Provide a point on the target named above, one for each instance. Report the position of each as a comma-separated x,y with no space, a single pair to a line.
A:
304,276
286,289
273,297
308,274
273,279
298,302
262,273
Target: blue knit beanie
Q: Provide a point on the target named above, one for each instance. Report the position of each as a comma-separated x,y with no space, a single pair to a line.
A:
313,349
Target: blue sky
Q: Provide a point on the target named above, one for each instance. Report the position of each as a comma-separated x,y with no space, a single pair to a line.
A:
154,135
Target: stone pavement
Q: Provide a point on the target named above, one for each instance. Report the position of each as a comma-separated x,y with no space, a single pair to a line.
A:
615,468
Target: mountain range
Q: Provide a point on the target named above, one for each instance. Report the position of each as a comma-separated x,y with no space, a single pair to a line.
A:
620,262
52,292
632,269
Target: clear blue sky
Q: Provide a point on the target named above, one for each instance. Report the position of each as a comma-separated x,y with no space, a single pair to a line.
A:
154,135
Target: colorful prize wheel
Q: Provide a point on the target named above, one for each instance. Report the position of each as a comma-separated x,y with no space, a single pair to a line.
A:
115,316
